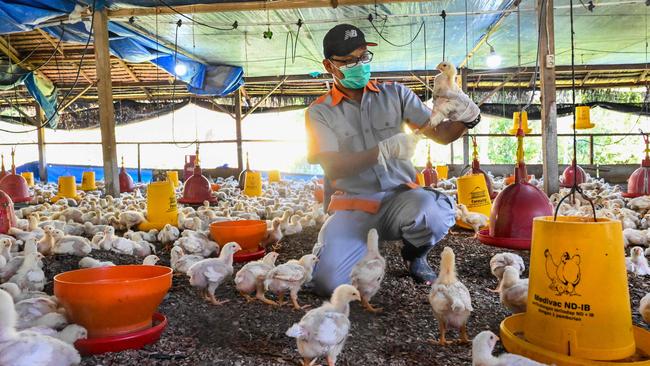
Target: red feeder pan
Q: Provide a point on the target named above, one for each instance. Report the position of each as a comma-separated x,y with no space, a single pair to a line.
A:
197,189
568,176
135,340
7,216
16,187
126,182
511,219
637,184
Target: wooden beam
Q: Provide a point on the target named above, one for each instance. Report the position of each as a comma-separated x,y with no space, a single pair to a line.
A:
549,108
132,75
40,135
243,6
51,41
495,90
79,95
252,109
642,77
240,153
11,52
105,96
584,80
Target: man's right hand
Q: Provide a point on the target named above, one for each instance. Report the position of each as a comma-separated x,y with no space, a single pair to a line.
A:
400,146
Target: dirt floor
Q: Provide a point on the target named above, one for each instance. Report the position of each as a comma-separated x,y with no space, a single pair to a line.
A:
240,333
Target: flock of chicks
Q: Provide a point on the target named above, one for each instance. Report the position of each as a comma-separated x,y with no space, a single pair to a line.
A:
33,325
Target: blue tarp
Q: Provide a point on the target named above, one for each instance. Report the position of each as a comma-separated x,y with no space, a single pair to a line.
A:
131,46
26,15
54,171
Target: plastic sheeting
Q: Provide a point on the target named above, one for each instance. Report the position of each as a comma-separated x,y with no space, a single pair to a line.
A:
25,15
42,90
133,47
54,171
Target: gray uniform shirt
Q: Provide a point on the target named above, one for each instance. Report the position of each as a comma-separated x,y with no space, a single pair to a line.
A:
335,123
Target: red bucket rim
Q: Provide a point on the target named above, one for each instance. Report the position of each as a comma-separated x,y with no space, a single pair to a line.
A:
241,257
135,340
510,243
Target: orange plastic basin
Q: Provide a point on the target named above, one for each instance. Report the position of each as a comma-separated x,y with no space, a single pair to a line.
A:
215,187
511,179
115,300
247,233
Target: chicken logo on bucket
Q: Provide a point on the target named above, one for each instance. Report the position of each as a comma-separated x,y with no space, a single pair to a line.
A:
563,273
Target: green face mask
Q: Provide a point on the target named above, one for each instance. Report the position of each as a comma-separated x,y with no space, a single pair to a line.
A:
356,77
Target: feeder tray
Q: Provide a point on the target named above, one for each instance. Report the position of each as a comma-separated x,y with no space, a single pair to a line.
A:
67,188
476,169
135,340
512,243
568,176
126,182
429,174
88,181
161,206
247,233
197,189
511,330
29,178
638,184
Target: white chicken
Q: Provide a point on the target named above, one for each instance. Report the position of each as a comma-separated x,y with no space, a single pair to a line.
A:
130,219
27,348
88,262
168,234
637,263
644,308
324,330
150,260
69,244
635,237
30,276
181,262
368,273
208,274
475,220
251,278
450,299
500,261
482,347
293,227
514,291
273,235
290,277
444,88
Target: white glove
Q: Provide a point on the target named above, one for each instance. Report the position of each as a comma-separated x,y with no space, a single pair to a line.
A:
400,146
466,110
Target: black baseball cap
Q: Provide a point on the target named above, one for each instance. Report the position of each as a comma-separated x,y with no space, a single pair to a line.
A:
343,39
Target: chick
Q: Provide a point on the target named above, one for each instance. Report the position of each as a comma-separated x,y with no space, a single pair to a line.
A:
450,299
30,276
644,308
130,219
273,235
290,277
168,234
482,347
208,274
514,291
294,227
150,260
635,237
88,262
324,330
474,219
251,278
368,273
26,348
500,261
444,88
637,263
69,244
181,262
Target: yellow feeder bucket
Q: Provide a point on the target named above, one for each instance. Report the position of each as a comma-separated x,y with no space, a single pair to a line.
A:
253,187
442,171
29,178
474,194
88,181
524,123
172,176
583,118
161,206
419,179
274,176
578,309
67,189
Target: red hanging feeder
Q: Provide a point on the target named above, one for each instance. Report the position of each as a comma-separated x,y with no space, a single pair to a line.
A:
569,175
639,181
430,174
476,169
126,182
197,187
513,211
188,168
7,216
15,185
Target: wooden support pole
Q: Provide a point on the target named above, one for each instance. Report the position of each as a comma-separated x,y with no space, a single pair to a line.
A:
238,118
549,107
463,85
40,134
105,96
